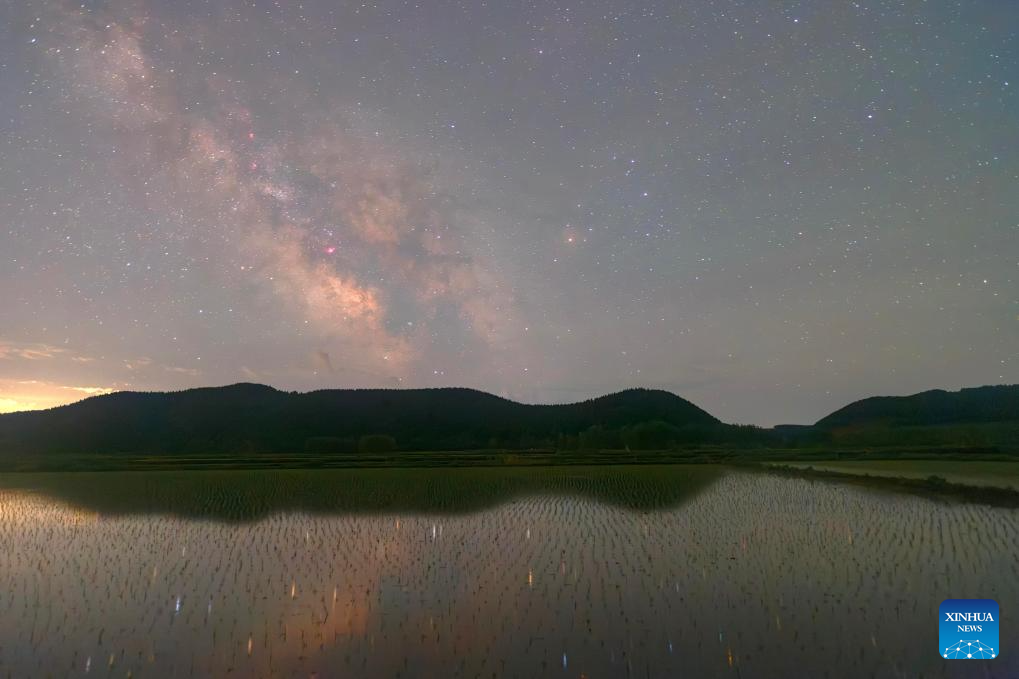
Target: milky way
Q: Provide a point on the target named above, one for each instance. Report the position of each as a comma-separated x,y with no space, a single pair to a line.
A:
769,208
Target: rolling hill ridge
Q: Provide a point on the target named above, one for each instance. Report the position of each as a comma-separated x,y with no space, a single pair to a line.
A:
254,418
258,418
930,408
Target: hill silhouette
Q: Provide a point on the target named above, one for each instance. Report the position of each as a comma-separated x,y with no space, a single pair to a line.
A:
975,405
257,418
247,418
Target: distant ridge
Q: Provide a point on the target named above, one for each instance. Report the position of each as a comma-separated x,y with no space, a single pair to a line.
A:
257,418
254,418
929,408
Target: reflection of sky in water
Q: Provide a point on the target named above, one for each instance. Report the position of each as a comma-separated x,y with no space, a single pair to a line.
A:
757,575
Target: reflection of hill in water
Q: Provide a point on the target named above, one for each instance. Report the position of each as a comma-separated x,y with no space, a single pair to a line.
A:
253,494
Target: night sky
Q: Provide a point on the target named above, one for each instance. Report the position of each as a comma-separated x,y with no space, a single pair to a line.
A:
770,208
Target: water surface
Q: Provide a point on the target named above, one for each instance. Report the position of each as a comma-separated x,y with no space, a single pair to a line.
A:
570,572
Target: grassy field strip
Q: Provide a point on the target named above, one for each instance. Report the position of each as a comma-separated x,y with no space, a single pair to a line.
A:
977,473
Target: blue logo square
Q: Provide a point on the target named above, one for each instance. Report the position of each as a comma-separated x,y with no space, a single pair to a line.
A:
968,629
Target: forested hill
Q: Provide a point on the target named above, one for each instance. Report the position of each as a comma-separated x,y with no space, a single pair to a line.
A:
257,418
976,405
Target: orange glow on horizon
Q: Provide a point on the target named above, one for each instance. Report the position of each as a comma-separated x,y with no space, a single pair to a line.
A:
22,395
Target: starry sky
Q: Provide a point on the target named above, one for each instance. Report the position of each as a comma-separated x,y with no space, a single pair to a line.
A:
769,207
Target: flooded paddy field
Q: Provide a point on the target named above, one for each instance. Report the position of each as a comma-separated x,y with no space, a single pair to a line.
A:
975,473
692,571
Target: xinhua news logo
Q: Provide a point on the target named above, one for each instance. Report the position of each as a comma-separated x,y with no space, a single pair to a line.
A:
968,629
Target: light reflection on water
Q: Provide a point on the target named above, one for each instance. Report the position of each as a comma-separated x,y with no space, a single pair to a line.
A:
746,575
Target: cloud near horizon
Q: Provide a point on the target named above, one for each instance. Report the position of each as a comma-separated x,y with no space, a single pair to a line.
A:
19,395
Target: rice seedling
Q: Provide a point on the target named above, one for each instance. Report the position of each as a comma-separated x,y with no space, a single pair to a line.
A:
565,573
